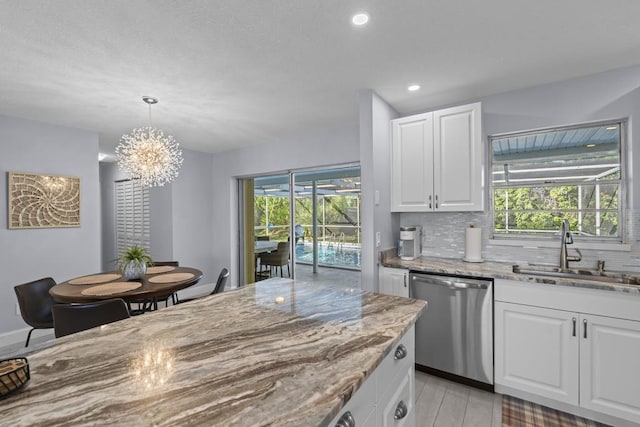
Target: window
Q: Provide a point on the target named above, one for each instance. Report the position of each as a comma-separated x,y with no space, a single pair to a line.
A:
132,215
541,177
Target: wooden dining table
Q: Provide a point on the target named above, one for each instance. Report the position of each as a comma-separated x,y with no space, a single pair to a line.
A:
159,282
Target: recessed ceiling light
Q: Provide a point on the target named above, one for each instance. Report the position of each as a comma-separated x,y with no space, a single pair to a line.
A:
413,88
360,19
591,145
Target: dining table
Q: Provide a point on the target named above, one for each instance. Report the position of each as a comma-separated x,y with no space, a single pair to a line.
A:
159,282
262,246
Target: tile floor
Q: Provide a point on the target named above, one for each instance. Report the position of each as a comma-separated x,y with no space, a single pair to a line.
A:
443,403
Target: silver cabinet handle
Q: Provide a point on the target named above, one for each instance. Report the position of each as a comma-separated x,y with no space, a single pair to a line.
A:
405,280
574,326
401,411
401,352
436,201
429,201
346,420
584,323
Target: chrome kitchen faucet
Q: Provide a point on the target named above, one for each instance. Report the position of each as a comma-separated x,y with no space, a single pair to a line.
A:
566,238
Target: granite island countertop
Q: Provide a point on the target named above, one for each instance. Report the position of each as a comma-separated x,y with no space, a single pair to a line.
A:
495,270
279,352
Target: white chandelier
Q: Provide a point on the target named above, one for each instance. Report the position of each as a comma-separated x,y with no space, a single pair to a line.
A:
148,155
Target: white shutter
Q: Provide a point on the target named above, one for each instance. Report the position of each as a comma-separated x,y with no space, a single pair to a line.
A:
132,216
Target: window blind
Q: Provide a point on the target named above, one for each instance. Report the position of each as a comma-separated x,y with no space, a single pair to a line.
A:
132,216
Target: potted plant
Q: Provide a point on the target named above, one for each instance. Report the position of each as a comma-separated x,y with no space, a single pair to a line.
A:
133,262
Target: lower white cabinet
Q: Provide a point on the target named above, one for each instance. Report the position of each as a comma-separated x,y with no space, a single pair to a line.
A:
387,397
537,351
589,361
394,281
609,359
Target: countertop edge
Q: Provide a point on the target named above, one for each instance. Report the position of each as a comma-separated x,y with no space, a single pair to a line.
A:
496,270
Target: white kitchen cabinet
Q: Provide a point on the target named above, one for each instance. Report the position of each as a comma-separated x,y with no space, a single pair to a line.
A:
436,161
412,164
609,374
394,281
537,350
569,345
388,393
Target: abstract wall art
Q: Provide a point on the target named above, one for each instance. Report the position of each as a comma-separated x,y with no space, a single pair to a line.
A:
43,201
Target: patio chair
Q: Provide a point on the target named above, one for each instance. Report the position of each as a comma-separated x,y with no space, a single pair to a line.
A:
278,258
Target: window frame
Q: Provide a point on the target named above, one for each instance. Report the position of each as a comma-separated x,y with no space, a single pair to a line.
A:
622,196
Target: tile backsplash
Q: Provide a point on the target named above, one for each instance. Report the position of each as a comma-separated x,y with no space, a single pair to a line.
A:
443,235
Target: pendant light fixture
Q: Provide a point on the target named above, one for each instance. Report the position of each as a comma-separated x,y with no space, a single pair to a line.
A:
148,155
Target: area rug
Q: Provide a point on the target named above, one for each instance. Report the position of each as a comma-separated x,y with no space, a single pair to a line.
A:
520,413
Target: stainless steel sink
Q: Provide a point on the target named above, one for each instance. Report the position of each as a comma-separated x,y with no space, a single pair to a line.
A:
579,273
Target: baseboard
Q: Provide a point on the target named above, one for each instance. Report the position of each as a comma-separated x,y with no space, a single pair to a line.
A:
565,407
12,339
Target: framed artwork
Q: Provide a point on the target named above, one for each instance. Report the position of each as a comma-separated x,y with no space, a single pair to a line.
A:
43,201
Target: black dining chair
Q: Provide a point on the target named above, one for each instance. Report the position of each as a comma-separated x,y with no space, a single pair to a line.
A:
35,304
218,288
71,318
174,297
149,305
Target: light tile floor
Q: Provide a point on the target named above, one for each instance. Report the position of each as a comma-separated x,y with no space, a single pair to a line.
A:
443,403
327,275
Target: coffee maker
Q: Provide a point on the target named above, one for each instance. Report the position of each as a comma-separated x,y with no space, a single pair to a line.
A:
410,243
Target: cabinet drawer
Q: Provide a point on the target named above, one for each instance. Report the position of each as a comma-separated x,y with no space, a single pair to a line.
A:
398,405
362,404
392,367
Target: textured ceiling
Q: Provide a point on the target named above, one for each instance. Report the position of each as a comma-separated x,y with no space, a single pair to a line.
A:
232,73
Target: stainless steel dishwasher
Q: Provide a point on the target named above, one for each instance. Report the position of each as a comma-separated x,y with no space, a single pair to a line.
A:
455,334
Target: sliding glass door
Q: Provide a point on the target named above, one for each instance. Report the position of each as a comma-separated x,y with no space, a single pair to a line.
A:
325,233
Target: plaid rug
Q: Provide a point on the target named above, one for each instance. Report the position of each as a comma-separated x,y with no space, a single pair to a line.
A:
520,413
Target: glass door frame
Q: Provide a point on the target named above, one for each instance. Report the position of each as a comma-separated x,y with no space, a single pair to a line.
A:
242,232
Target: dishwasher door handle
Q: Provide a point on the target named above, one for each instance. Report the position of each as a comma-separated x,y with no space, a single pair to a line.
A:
451,284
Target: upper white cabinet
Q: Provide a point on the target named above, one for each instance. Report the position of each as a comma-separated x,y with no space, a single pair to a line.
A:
436,161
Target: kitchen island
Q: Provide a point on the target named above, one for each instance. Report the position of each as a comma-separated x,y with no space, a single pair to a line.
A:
279,352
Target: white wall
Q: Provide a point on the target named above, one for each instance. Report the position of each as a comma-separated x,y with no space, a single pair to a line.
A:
61,253
181,212
319,148
191,212
375,163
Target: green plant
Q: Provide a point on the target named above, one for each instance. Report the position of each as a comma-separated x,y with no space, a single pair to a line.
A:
134,254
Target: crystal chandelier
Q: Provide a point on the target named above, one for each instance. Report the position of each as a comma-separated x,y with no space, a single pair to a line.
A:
148,155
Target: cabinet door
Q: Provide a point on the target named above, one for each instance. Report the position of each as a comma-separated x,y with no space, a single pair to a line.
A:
411,164
458,159
609,373
536,351
394,281
397,406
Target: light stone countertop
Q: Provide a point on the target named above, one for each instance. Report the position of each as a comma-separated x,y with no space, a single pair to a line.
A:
279,352
495,270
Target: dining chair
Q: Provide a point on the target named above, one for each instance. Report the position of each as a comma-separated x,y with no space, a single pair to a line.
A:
218,288
71,318
277,258
35,304
174,297
152,304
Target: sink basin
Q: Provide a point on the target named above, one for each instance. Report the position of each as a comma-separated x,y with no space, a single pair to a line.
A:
579,273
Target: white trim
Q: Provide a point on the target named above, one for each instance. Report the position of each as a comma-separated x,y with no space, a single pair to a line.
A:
534,244
19,336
